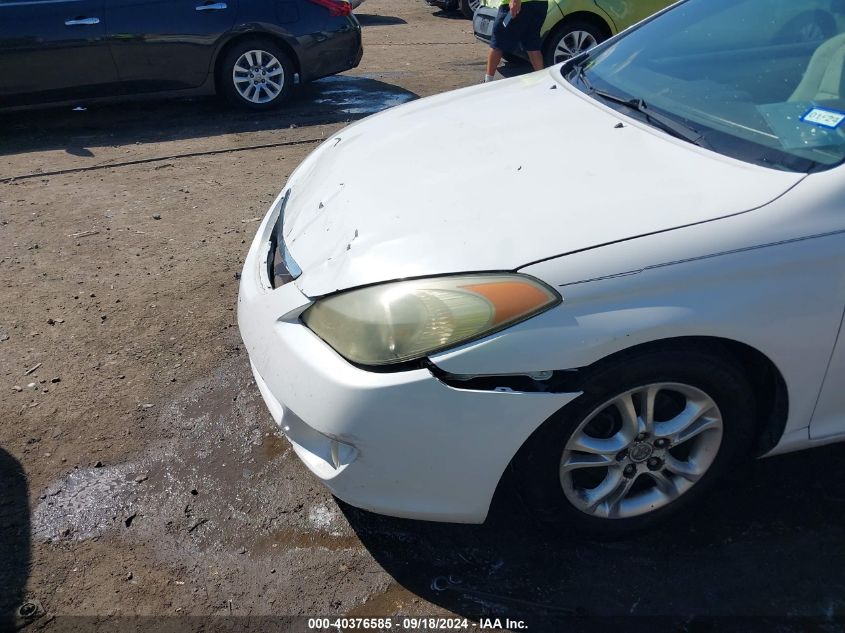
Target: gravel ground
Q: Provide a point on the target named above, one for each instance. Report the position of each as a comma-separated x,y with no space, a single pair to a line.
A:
142,475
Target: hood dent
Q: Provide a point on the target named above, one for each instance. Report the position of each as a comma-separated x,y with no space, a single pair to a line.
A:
449,184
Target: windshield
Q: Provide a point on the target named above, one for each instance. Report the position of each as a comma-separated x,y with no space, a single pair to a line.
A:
759,80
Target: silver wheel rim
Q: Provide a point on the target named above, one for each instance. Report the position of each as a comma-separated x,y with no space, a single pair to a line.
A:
639,461
474,4
258,76
572,44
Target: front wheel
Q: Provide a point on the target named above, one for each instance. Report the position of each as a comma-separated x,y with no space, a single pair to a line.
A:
256,75
647,436
469,7
570,39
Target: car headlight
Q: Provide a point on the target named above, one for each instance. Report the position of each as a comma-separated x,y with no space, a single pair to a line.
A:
406,320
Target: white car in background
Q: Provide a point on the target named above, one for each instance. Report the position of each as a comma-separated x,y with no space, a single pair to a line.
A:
612,327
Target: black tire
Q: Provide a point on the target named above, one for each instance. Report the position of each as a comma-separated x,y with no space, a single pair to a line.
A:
226,84
565,29
466,9
536,468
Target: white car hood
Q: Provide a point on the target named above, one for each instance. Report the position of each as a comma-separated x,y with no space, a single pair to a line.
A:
495,177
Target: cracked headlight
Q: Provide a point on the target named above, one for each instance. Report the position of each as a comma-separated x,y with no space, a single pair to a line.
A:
407,320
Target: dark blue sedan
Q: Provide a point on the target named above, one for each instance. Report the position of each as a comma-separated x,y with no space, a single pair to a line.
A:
249,51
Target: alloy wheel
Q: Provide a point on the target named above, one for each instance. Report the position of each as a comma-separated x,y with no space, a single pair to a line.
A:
258,76
641,450
468,7
573,43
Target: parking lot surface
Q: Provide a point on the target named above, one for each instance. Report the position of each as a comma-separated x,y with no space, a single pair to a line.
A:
142,474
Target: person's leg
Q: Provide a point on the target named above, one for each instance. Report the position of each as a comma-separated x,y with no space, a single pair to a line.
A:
531,19
494,58
501,40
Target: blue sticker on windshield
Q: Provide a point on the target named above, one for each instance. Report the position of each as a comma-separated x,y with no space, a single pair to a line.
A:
830,119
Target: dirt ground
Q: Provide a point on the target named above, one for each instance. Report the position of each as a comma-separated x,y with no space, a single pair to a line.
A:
140,474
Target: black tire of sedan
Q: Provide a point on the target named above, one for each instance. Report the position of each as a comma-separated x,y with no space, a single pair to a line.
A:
569,39
256,74
650,434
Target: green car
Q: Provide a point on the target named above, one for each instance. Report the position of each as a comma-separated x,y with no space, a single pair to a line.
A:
574,26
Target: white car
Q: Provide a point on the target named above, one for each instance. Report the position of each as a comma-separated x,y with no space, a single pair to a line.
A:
639,280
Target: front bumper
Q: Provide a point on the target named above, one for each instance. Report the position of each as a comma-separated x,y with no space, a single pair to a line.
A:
403,443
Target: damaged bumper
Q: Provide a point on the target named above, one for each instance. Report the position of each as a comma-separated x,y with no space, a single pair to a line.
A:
405,443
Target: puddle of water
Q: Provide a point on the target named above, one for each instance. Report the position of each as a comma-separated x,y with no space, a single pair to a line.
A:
360,95
273,446
87,503
289,539
219,493
396,599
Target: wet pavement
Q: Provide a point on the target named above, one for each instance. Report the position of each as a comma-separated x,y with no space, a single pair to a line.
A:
224,498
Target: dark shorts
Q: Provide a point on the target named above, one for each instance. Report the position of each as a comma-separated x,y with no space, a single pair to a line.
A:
523,32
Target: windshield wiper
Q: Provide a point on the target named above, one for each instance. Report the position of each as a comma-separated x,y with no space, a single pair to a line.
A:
581,74
673,126
668,124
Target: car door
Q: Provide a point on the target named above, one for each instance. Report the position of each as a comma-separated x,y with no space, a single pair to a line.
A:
829,416
166,44
627,12
53,51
